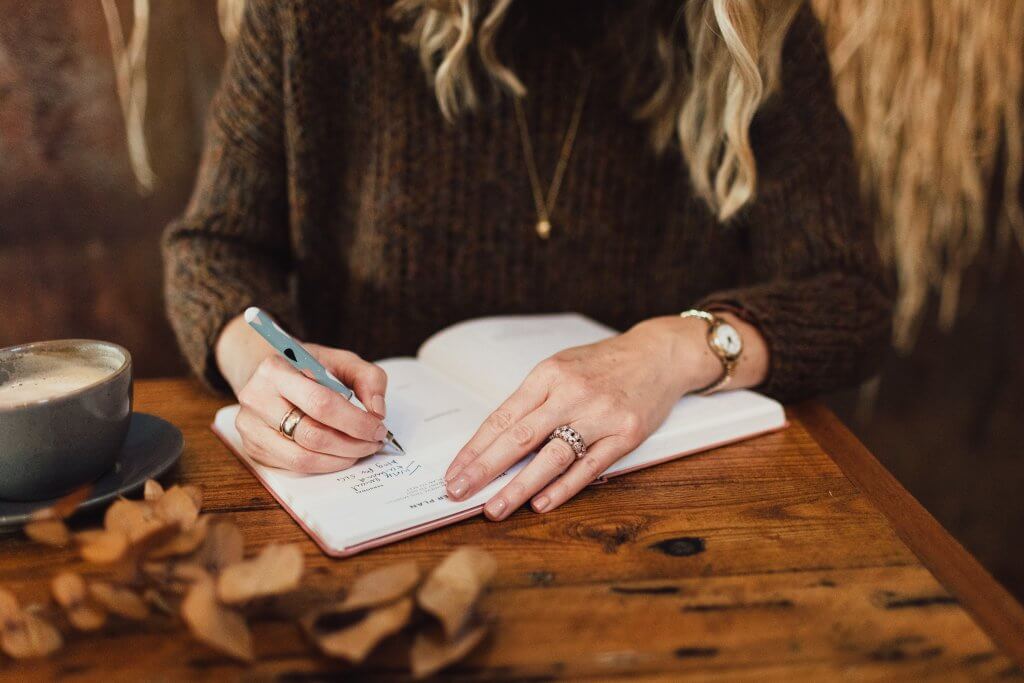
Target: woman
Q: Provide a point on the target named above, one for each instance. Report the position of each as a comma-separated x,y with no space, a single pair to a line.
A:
624,160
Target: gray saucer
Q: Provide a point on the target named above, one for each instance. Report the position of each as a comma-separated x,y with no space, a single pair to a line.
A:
153,445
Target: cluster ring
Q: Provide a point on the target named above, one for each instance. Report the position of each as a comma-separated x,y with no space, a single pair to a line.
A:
571,437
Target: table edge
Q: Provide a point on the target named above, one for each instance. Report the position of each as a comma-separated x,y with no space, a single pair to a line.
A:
992,606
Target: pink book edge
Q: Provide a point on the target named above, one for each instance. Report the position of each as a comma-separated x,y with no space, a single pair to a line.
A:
459,516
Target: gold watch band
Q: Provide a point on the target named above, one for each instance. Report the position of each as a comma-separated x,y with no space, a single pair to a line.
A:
728,364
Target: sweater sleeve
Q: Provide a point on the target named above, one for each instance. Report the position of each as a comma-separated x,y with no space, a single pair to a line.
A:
231,249
815,287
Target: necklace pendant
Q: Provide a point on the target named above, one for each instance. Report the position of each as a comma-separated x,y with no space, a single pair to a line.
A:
543,229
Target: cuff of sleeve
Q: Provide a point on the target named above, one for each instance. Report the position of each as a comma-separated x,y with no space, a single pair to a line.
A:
751,310
812,348
202,302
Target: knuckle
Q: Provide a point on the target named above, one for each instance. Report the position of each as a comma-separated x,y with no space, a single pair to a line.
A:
245,395
561,454
468,453
549,365
478,472
590,467
514,493
265,367
604,404
312,438
366,426
500,420
319,402
302,461
558,493
522,434
631,426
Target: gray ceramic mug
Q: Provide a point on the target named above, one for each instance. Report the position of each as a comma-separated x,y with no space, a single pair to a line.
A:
51,444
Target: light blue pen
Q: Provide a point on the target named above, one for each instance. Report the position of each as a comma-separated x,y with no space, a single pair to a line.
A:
300,358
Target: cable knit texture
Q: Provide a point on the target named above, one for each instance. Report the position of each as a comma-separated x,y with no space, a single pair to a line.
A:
333,194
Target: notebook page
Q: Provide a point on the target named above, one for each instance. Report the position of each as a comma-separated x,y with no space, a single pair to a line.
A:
492,356
388,492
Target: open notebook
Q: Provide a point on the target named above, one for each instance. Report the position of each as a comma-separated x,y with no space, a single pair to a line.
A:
435,403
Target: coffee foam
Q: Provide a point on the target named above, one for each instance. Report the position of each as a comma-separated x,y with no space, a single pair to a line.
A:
42,375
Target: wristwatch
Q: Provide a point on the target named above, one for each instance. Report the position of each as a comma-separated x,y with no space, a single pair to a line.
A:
725,342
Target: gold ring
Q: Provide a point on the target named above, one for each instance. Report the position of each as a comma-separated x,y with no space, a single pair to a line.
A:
289,423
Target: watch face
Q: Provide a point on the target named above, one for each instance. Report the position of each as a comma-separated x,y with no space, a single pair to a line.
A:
728,340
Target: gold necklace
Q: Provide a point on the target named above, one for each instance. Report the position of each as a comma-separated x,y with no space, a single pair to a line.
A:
545,204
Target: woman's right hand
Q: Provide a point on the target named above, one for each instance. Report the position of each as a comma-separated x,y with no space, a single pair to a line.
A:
332,435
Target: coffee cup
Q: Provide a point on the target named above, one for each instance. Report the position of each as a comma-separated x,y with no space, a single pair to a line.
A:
65,409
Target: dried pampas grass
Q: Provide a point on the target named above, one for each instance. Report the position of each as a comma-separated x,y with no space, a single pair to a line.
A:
933,91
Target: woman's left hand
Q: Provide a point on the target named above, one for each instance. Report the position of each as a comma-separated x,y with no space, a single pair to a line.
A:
614,393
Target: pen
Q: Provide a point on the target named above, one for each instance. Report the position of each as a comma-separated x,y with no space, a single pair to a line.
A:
300,358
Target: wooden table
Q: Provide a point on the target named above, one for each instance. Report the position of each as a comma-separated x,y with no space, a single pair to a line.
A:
795,555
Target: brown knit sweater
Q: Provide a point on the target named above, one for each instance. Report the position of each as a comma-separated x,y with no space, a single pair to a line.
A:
333,194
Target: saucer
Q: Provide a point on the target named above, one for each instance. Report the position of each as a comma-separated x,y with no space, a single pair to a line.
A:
152,446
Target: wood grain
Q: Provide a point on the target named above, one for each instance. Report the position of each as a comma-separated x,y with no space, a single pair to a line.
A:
992,605
757,560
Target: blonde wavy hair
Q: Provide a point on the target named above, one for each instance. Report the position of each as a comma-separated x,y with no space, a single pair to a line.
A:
709,86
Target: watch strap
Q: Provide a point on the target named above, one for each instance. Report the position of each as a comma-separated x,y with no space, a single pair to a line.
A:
727,365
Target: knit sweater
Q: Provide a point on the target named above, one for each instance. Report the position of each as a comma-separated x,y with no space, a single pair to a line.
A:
334,194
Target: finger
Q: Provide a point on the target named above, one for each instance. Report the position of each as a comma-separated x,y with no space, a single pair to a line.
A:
367,380
310,434
599,457
324,405
269,447
527,398
509,447
319,438
553,459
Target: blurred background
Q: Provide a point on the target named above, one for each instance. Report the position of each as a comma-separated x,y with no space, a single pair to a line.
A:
102,104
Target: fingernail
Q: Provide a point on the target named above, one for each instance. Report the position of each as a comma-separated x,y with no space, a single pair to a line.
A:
496,507
377,405
452,474
541,503
381,434
458,487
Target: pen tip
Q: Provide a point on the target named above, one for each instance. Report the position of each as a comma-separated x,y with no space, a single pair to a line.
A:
397,445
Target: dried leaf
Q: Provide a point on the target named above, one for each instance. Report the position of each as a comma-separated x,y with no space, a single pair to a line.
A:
9,607
224,546
185,541
451,590
215,625
154,598
67,505
277,569
431,652
381,586
69,591
195,493
120,601
30,636
178,505
100,546
152,491
24,635
52,532
156,537
135,519
356,641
